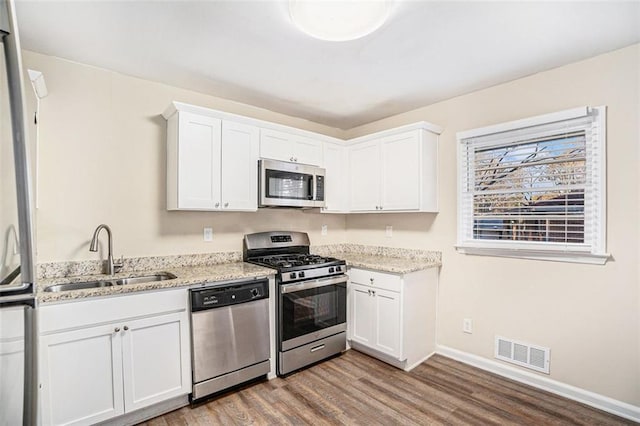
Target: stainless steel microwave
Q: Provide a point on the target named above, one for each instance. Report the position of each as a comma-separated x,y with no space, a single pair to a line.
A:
283,184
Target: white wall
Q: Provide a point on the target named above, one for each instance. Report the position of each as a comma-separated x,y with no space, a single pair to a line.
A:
588,315
102,160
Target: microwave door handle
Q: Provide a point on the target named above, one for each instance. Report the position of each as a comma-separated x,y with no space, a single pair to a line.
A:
312,189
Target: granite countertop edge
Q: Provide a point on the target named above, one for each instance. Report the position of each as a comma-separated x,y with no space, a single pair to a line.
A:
226,266
186,277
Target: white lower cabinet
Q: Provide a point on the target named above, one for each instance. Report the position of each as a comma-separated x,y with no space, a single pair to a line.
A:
113,359
11,365
392,317
376,318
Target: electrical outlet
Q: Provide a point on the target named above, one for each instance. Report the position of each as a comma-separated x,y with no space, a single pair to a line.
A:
208,234
324,230
389,231
467,325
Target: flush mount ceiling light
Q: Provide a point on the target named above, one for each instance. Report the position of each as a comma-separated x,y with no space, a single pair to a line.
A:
339,20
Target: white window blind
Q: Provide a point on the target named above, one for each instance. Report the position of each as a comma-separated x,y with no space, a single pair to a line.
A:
535,188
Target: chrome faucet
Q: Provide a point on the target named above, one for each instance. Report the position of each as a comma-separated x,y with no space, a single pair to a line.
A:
112,267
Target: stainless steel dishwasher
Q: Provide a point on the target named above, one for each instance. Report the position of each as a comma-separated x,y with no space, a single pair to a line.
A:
229,335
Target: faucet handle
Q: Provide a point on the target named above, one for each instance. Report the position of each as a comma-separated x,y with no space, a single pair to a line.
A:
117,266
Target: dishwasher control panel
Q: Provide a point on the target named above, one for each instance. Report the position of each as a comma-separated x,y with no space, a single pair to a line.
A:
228,294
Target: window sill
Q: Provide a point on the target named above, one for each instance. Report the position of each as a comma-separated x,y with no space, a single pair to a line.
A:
553,256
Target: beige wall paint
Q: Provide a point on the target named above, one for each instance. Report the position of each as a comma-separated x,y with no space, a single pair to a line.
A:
102,160
588,315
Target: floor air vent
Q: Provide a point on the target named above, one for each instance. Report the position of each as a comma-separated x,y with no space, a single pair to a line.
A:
523,354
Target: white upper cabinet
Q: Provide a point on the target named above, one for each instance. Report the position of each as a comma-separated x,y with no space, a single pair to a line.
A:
336,178
283,146
239,186
192,157
364,168
211,164
396,172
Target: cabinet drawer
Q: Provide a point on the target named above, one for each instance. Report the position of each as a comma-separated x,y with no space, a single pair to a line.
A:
375,279
86,312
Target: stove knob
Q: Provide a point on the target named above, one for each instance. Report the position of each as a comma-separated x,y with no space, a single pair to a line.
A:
301,274
292,275
331,270
255,292
338,268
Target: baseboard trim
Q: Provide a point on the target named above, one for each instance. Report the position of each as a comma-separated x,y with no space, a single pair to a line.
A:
148,413
417,363
601,402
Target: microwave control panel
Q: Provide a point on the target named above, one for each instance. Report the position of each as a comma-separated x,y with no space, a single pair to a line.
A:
319,188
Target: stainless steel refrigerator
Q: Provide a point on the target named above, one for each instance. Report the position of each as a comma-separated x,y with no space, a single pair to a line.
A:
18,325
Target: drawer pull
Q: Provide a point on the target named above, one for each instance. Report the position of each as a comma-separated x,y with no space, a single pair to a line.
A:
317,348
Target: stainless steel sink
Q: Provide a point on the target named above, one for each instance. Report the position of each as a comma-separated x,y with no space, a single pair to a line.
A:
145,279
108,283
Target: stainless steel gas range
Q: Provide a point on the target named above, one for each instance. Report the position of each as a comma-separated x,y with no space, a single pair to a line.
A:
311,297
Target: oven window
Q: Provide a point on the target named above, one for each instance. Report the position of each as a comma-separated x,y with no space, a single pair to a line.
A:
311,310
297,186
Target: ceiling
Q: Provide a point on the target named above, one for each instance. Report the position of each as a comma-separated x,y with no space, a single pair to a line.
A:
249,51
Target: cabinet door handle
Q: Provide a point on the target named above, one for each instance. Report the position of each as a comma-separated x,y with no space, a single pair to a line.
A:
371,281
116,330
295,159
126,328
226,204
217,204
291,159
373,292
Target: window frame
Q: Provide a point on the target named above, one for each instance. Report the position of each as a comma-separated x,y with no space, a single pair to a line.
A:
594,252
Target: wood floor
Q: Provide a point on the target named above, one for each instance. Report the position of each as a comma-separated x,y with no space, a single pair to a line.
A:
354,389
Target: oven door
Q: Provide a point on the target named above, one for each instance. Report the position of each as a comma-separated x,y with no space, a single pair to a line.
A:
311,310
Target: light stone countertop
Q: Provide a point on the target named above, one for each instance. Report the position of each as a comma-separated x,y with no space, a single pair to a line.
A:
195,269
186,276
396,265
382,259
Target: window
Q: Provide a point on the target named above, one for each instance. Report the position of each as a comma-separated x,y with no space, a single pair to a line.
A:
535,188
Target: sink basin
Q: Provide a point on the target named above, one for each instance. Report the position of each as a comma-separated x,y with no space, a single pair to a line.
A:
78,286
145,279
108,283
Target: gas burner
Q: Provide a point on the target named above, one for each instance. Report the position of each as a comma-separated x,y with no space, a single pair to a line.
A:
291,258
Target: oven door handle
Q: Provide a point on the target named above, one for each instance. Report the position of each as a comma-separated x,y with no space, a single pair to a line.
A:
306,285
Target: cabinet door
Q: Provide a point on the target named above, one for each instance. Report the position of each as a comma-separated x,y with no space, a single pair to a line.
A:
362,315
335,164
401,172
198,162
156,362
81,376
387,322
11,365
239,166
276,145
307,151
364,167
11,381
